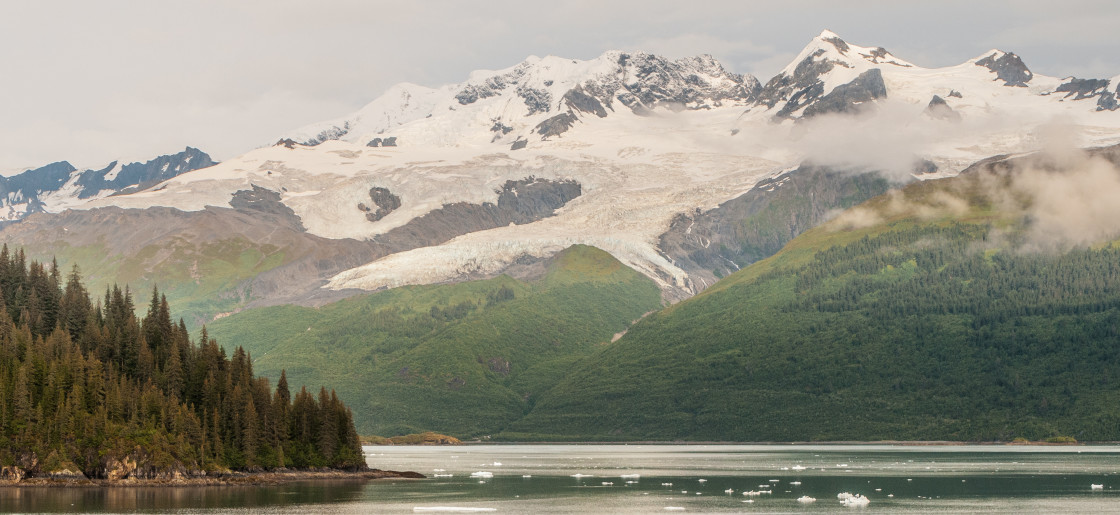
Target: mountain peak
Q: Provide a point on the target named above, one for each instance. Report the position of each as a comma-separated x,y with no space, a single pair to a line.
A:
828,34
1007,66
538,98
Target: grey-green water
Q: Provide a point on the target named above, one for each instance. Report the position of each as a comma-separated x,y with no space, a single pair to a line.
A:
636,479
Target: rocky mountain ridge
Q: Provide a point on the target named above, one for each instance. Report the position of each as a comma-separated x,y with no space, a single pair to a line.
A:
60,185
610,152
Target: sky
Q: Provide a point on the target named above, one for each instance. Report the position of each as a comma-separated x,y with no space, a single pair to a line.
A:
91,82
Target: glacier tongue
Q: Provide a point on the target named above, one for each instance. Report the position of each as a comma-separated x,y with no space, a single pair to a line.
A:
646,138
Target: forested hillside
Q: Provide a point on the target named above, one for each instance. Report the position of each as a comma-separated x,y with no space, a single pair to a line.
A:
953,310
462,359
88,388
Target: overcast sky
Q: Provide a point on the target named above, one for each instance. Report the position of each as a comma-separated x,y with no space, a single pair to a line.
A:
93,81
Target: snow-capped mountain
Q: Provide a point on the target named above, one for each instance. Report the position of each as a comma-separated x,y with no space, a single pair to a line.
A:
466,180
58,186
536,100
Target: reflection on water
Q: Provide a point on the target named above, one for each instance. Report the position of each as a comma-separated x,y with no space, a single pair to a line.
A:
120,499
652,478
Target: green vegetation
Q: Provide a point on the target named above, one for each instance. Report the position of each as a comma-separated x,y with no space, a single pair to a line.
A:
464,359
425,438
935,322
199,280
95,389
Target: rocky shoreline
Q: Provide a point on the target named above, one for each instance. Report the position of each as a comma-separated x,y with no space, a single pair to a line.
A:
211,479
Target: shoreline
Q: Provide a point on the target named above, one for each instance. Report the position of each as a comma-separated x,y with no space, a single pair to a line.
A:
898,443
230,479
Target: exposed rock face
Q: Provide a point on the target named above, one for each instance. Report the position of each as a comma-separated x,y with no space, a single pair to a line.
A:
383,142
329,134
519,202
852,97
803,88
519,144
556,125
385,201
536,100
1107,101
12,473
1082,88
138,465
66,475
1008,68
647,81
267,202
939,109
500,128
799,88
577,100
712,244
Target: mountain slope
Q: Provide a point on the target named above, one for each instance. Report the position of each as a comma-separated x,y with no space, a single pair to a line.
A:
949,311
465,359
610,152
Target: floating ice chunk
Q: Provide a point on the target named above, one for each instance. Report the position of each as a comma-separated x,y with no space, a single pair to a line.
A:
805,499
482,474
630,476
608,483
749,500
795,483
752,493
775,480
849,499
442,475
797,467
703,480
729,491
1096,487
527,476
666,484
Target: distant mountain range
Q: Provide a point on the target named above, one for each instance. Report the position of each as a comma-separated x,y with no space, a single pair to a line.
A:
429,185
503,210
58,186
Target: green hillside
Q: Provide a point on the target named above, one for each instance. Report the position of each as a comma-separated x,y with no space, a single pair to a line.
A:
463,359
937,313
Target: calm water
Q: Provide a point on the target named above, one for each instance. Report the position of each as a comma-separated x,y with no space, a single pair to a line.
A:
897,479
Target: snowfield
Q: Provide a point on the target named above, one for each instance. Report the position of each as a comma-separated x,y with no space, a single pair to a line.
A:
638,167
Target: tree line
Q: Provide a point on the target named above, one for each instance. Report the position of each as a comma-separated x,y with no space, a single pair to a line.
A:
87,383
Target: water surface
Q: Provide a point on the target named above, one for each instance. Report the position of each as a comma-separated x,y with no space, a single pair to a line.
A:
656,479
